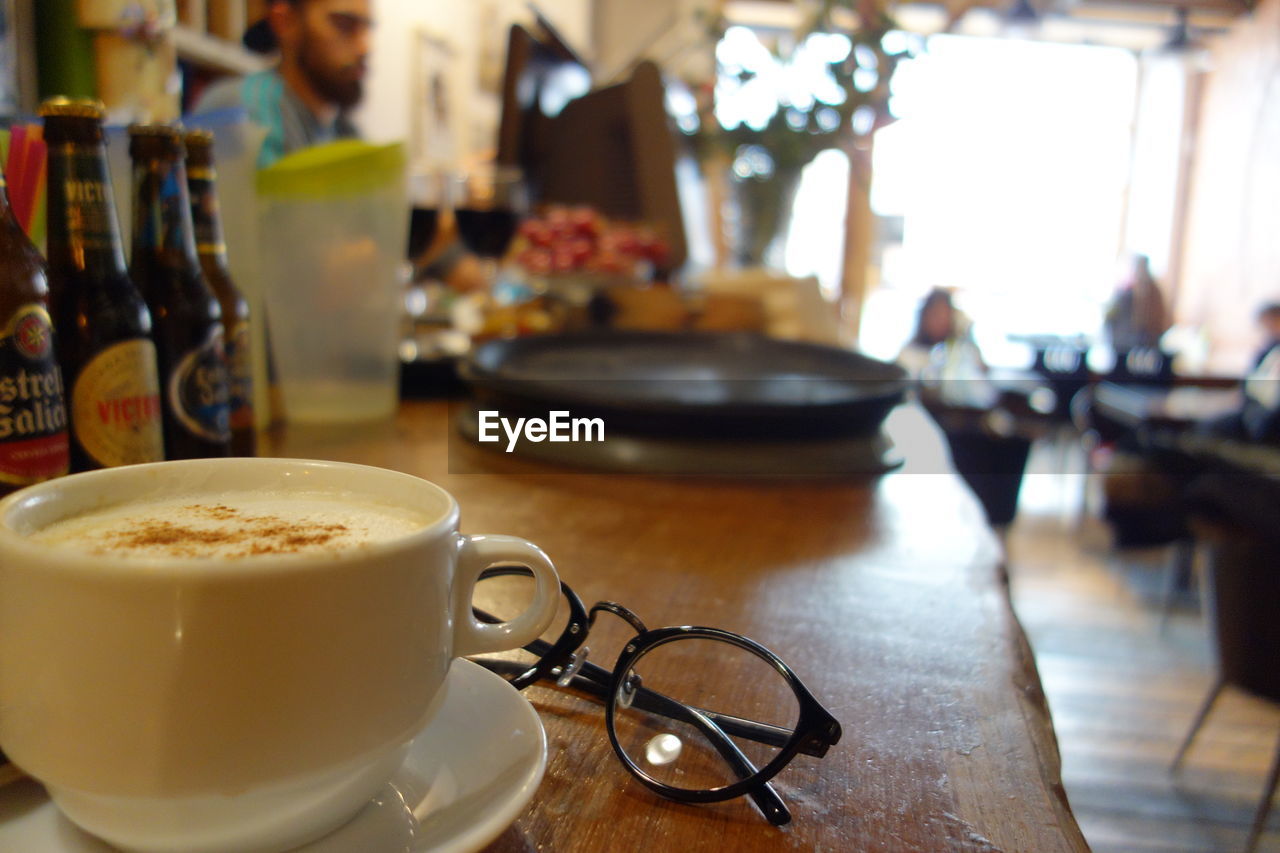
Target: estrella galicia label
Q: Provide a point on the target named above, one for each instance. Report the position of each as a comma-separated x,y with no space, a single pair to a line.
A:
33,417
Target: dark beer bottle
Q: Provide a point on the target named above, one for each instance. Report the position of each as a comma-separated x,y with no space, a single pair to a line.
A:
33,419
210,246
103,325
188,333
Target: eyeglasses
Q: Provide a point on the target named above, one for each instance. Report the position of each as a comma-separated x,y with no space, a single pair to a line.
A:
667,703
350,25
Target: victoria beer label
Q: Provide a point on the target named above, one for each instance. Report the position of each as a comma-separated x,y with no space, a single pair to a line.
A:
115,405
107,355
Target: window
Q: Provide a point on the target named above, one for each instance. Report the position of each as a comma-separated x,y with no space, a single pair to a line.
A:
1009,169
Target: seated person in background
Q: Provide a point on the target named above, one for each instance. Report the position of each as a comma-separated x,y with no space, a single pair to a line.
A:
306,99
943,354
1259,416
1269,320
985,447
1137,316
938,322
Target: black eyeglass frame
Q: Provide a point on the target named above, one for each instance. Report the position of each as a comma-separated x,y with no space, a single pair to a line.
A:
564,662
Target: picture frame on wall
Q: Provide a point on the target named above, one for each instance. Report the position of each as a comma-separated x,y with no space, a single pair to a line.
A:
10,73
9,96
436,124
18,58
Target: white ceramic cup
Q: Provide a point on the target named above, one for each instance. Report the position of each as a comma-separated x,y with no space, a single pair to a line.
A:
249,704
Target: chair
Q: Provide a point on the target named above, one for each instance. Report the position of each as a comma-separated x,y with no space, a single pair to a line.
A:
1142,365
1064,368
1242,599
993,467
1139,498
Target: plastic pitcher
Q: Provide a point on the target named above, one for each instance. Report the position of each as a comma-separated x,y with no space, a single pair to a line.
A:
333,223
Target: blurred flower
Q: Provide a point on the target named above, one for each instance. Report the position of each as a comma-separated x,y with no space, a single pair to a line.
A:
569,240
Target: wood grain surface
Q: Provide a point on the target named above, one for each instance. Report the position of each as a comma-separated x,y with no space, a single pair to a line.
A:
886,595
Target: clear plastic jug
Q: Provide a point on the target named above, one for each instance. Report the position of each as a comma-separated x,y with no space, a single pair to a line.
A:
333,225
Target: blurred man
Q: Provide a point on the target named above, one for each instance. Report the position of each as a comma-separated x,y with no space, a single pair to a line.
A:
307,97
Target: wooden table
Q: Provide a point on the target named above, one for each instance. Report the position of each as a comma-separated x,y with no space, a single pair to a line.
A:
886,595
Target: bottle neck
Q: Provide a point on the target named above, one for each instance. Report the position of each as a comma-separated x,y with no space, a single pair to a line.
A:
83,232
206,218
12,234
8,218
162,211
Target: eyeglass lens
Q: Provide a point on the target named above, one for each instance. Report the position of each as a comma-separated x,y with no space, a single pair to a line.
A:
682,745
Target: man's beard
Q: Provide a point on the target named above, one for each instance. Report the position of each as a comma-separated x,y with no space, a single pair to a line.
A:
331,84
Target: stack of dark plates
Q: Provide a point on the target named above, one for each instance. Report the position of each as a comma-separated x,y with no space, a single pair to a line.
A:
680,403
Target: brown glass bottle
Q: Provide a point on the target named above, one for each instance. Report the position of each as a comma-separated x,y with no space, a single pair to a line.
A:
33,418
104,328
188,320
202,182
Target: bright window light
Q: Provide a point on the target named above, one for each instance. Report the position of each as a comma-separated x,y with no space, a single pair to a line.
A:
1008,168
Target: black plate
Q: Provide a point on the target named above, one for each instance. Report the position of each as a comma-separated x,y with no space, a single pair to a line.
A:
692,385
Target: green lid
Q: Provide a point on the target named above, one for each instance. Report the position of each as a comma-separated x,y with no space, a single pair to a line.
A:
344,167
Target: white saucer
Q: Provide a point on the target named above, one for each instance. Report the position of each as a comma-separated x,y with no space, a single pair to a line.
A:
466,778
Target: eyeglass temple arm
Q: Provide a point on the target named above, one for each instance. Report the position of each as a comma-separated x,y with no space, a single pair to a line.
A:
763,794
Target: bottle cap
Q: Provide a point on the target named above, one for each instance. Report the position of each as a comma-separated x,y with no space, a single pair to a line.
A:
163,131
73,107
199,137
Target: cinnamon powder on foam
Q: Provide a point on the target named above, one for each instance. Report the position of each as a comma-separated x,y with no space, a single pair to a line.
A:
222,529
251,535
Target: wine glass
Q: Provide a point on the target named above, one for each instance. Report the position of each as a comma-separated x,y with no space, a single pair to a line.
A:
427,191
488,203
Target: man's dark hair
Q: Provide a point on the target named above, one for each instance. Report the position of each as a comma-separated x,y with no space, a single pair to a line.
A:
259,37
1269,309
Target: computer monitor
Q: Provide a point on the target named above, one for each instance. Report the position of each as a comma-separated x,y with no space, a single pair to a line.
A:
612,148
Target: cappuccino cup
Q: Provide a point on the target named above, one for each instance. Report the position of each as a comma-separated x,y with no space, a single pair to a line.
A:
234,654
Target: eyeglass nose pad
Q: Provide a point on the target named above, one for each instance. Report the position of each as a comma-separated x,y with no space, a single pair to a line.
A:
570,669
627,690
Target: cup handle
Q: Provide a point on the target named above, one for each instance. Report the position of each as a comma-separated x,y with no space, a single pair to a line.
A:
477,553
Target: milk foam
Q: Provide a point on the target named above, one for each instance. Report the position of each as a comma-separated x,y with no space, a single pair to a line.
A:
233,526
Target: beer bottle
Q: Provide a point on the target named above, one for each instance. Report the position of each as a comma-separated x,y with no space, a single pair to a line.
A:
33,420
188,333
207,220
104,345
